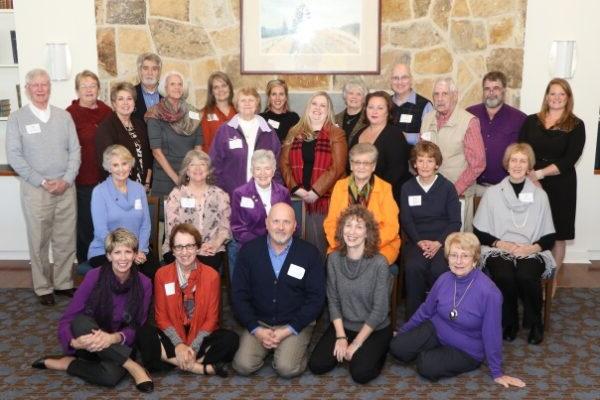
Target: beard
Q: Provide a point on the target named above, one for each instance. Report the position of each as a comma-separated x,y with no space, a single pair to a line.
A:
149,81
493,102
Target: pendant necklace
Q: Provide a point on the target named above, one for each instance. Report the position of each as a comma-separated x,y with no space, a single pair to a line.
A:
454,311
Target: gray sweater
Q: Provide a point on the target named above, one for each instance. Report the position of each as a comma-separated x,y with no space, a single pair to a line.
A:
358,292
38,150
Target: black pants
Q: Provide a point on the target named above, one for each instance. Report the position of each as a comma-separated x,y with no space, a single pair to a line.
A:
421,274
212,261
434,361
85,227
148,268
522,281
219,346
367,362
103,367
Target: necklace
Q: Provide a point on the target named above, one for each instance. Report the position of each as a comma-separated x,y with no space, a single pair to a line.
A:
454,311
512,216
350,119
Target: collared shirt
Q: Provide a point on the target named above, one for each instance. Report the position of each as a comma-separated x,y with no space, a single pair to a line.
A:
497,133
474,152
150,98
42,115
278,259
412,98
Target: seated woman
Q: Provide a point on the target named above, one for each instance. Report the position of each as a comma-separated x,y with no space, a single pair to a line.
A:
358,284
187,295
430,211
99,326
364,188
459,324
119,202
252,201
195,201
514,223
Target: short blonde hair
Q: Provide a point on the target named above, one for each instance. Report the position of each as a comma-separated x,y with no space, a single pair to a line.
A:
247,91
120,237
116,150
466,241
191,156
523,148
122,87
363,148
86,74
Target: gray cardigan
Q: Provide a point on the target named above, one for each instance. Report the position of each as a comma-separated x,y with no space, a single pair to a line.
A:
359,294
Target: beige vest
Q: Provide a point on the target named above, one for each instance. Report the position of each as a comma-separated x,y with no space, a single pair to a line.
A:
450,139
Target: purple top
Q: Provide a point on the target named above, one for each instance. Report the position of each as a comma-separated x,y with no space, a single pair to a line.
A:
229,156
478,329
497,134
77,306
248,222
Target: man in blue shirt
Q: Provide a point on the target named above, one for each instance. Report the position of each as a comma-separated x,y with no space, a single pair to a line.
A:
278,292
149,66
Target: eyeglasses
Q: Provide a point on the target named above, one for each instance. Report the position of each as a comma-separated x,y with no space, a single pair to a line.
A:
181,247
361,163
403,78
90,86
455,257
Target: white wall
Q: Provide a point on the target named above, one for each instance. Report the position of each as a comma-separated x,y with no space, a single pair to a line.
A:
549,20
38,22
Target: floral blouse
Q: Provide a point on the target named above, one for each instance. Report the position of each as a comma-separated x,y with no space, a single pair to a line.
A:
210,214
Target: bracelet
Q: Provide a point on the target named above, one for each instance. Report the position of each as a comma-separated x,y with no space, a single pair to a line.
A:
341,337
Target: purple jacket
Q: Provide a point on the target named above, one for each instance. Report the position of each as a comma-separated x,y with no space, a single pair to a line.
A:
249,223
230,164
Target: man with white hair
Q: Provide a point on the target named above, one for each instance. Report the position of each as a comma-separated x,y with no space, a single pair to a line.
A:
149,66
42,147
458,134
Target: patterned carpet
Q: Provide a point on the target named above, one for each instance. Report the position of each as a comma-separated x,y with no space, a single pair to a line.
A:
565,366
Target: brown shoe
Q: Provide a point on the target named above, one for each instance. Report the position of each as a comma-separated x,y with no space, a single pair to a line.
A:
64,292
47,299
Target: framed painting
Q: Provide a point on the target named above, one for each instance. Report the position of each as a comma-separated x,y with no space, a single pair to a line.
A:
310,36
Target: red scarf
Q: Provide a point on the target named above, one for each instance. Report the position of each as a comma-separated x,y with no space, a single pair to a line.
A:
323,161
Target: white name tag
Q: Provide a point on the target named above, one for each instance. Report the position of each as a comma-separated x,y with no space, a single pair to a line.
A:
194,115
188,202
33,128
296,271
414,201
426,136
246,202
526,197
273,123
235,144
170,288
405,118
212,117
137,204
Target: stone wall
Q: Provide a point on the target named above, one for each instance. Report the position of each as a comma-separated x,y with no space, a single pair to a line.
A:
460,38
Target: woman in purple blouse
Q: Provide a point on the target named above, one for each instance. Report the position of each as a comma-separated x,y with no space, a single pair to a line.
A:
98,328
460,323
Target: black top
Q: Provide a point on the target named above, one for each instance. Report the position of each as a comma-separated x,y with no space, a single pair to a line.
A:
308,159
416,110
140,104
286,121
349,122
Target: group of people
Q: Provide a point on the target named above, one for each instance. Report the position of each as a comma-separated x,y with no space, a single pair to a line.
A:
389,171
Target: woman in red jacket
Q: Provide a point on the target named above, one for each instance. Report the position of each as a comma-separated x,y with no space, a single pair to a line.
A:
187,296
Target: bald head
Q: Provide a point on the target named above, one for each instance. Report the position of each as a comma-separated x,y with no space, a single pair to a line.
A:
281,223
401,80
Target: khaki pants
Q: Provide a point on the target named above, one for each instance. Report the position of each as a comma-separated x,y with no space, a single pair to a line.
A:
290,358
50,220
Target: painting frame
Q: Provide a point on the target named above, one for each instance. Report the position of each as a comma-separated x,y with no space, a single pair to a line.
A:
358,54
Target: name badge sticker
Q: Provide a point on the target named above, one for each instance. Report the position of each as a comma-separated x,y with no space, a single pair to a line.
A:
414,201
194,115
188,202
295,271
212,117
170,288
273,123
33,128
526,197
235,144
246,202
405,118
137,204
426,136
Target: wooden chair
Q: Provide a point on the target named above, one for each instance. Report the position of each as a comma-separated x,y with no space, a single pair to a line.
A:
396,280
153,207
300,212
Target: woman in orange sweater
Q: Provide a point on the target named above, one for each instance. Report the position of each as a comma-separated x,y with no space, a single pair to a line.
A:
187,296
363,187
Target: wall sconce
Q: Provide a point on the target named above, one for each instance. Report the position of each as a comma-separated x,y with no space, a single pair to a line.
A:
58,61
563,56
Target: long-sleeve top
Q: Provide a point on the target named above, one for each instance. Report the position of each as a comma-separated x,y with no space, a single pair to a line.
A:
119,301
431,215
474,152
248,213
281,123
39,150
358,291
169,308
229,152
112,209
212,119
295,298
209,214
478,328
140,102
381,204
86,122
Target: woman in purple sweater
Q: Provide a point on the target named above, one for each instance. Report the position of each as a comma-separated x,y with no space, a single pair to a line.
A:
460,323
98,328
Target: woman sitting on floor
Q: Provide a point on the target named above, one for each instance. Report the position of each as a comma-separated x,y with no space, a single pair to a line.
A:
98,328
187,295
358,286
459,325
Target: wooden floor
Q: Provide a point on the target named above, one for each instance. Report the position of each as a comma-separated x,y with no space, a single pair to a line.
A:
17,274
